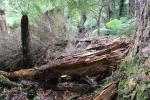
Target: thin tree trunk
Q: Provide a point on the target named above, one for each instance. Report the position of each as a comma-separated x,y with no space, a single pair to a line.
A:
108,9
121,8
98,21
109,13
81,27
131,10
25,37
2,21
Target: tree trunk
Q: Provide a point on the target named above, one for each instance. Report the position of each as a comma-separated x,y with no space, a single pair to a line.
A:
81,27
131,10
99,19
109,13
142,38
109,8
2,21
121,8
25,37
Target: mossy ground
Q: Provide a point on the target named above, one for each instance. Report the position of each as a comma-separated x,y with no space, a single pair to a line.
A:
134,80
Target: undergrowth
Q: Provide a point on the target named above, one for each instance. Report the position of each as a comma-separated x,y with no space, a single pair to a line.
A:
132,78
136,84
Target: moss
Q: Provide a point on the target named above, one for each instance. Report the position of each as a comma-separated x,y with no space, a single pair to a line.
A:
128,72
6,82
2,96
136,72
36,98
148,6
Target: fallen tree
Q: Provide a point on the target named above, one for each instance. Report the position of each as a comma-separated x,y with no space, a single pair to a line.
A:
94,60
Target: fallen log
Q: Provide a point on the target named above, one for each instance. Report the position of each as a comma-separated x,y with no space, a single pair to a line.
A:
108,92
88,62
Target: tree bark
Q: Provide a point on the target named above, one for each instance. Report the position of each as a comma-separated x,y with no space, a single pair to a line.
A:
131,10
142,37
26,45
3,26
81,27
98,21
121,8
108,92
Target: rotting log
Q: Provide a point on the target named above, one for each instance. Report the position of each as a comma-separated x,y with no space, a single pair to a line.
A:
88,62
108,92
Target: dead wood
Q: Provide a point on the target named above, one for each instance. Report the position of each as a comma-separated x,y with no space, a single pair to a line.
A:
75,87
108,92
88,62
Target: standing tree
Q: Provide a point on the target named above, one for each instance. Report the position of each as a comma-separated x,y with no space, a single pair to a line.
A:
23,7
138,64
26,42
121,8
2,21
81,27
142,38
83,17
101,5
131,8
32,8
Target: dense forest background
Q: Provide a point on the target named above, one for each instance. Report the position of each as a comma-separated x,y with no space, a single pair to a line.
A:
74,49
98,17
53,22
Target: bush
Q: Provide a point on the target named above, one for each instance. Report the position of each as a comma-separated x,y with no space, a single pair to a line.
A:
123,26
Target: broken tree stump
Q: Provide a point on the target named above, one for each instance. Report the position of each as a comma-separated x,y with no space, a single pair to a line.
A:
88,62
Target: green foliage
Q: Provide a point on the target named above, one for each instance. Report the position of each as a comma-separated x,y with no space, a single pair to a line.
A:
2,96
5,81
117,27
13,19
33,8
36,98
114,24
74,9
123,26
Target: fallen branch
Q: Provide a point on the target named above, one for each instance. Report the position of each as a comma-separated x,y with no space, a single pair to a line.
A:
88,62
108,92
